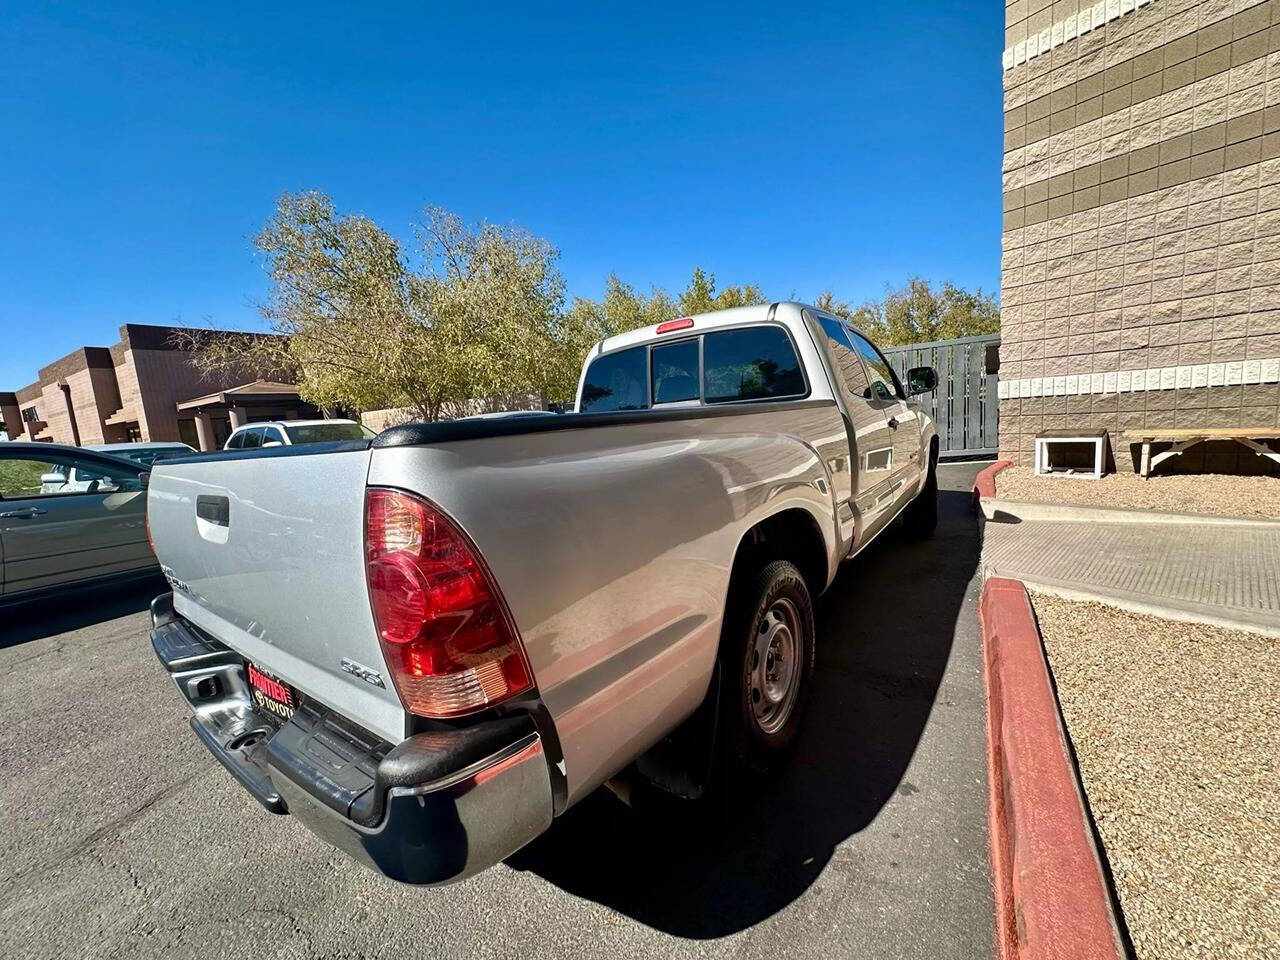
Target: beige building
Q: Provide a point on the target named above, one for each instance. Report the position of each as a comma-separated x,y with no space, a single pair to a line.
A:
142,388
1141,240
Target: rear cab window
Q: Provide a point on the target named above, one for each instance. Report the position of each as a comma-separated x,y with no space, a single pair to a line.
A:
617,381
754,363
675,372
751,363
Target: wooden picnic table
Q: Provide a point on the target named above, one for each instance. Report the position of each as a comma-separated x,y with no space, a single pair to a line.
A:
1182,439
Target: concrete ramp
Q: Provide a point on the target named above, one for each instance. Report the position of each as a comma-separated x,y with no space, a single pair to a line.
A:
1226,574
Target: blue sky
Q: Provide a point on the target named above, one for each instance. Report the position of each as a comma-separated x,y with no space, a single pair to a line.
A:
799,146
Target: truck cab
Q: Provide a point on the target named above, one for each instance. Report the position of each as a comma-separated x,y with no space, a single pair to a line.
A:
784,351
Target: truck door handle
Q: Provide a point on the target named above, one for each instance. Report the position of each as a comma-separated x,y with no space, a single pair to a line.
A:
893,423
26,513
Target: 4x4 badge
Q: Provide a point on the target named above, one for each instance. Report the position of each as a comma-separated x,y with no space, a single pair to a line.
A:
363,672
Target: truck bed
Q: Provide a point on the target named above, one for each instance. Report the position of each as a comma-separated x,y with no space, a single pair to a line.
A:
611,537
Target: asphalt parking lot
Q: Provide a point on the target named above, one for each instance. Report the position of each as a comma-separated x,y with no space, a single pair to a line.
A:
123,837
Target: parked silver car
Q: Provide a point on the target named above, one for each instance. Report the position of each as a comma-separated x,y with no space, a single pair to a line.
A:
69,516
427,646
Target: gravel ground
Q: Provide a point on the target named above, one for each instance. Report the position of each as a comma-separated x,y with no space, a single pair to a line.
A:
1219,494
1178,743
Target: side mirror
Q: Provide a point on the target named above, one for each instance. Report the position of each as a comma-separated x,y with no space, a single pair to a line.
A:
272,443
52,479
921,380
144,478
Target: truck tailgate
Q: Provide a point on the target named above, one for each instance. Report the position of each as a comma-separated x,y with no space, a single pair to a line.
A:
266,553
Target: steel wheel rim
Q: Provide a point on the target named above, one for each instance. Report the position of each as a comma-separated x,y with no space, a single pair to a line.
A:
774,668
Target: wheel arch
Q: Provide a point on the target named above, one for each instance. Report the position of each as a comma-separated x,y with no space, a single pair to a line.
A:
793,534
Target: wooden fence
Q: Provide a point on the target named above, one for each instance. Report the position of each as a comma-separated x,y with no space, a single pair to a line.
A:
964,406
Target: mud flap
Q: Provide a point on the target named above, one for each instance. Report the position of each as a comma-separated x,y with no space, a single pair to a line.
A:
681,763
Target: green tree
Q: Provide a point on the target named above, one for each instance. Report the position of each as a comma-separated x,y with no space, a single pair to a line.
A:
622,309
701,296
474,311
487,311
919,312
869,317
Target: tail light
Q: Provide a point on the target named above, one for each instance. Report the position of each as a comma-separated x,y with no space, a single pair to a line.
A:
146,522
449,642
684,323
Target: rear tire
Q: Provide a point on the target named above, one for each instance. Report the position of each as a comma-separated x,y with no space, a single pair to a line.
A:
921,516
767,650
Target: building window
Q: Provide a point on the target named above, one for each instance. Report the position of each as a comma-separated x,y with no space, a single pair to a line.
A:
29,415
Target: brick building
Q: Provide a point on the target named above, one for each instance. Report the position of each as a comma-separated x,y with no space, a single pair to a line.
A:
143,388
1141,235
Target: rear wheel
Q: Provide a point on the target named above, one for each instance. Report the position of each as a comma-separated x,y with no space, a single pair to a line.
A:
768,657
921,516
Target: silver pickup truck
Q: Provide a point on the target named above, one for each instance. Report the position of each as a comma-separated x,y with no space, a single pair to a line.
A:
428,645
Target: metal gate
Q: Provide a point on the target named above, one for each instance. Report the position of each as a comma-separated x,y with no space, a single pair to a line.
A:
964,406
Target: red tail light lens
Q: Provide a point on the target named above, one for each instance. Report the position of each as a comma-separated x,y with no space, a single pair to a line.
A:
449,643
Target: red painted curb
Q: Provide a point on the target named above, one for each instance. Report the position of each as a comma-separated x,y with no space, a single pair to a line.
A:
1051,899
984,484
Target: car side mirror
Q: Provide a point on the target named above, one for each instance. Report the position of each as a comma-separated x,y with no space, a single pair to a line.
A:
49,479
272,443
921,380
144,478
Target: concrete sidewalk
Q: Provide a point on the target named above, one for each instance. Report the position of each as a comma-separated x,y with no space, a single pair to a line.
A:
1224,574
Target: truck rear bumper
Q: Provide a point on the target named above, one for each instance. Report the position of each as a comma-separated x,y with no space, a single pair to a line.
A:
436,808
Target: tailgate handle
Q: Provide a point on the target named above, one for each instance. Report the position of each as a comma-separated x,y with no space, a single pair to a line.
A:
216,510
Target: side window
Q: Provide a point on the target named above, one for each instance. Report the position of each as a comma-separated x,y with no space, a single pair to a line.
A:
617,381
270,434
236,441
847,362
675,372
251,438
754,363
29,478
60,476
884,383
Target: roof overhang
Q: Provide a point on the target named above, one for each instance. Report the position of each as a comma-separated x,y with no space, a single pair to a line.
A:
258,392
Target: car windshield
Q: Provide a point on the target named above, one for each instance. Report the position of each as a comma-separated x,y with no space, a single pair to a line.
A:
325,432
150,455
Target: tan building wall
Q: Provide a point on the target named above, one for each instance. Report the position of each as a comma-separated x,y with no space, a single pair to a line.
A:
128,391
170,379
1141,240
10,415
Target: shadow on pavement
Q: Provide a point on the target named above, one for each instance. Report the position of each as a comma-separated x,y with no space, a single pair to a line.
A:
76,608
886,628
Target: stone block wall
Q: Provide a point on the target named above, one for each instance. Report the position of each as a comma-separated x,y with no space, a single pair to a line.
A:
1141,233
